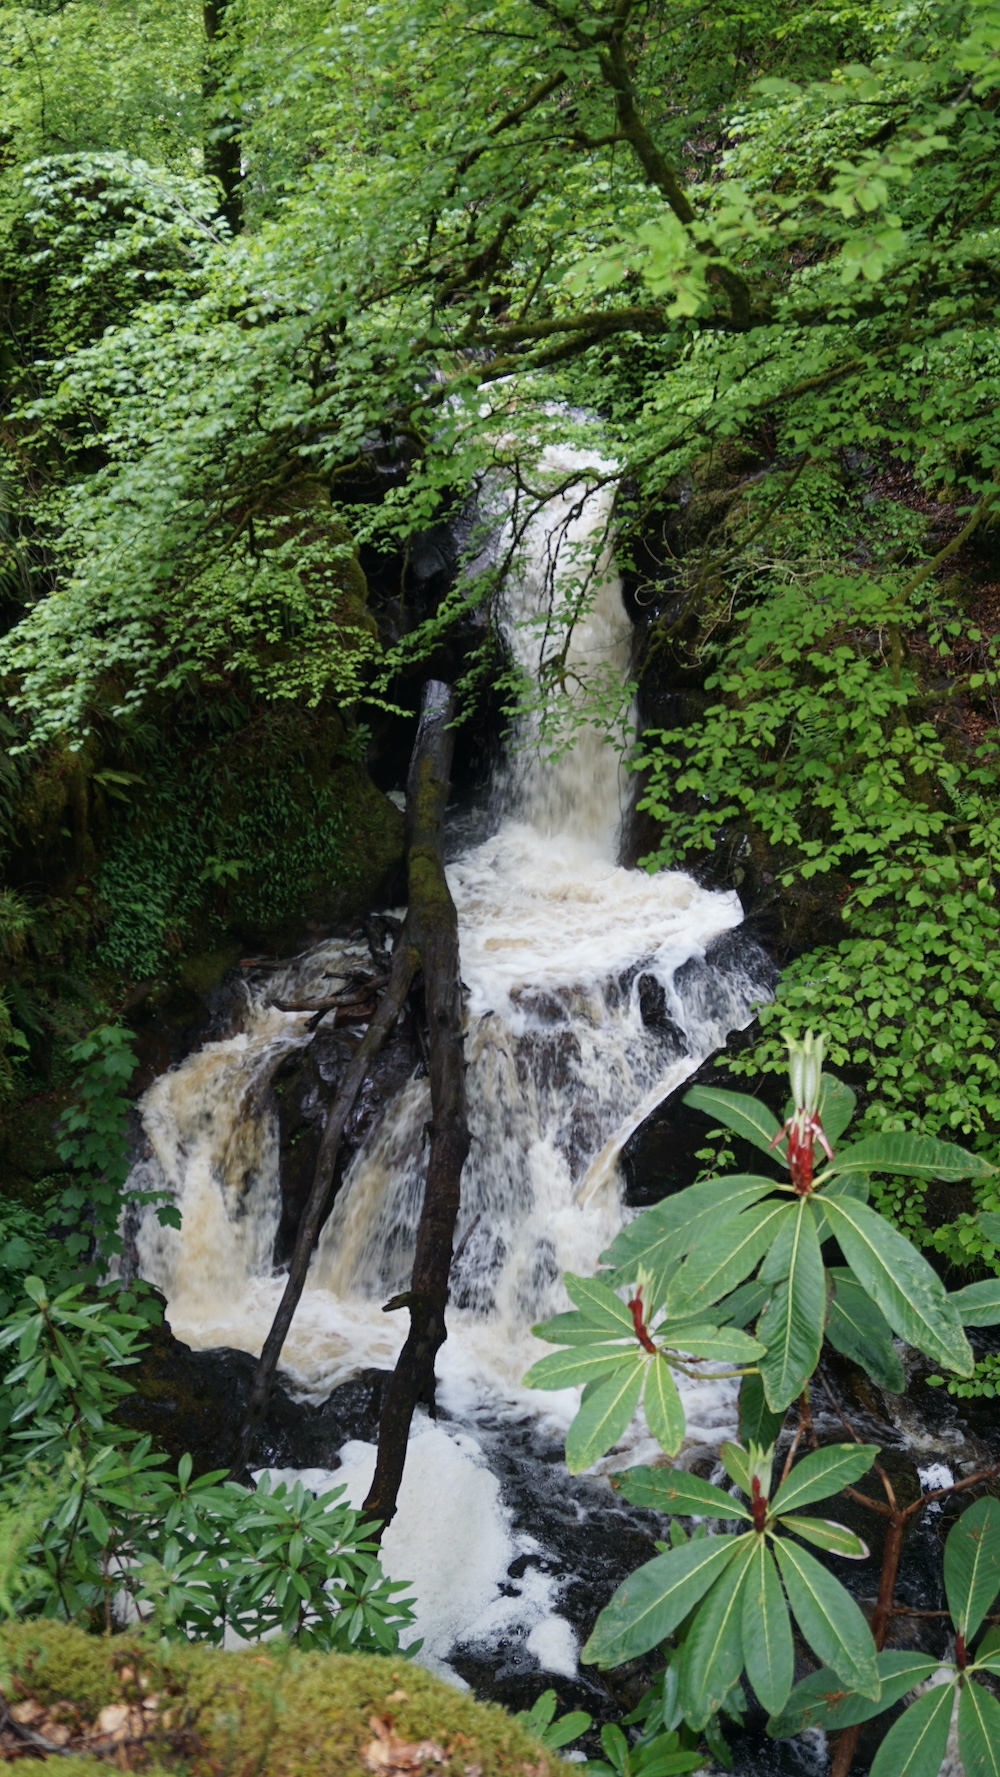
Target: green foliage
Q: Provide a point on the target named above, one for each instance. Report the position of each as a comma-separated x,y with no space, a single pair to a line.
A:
26,1247
614,1353
551,1730
916,1742
209,841
816,750
727,1253
683,1259
734,1583
662,1755
94,1142
699,293
104,1518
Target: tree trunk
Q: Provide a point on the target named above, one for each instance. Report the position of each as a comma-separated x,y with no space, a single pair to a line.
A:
428,940
434,931
390,1006
222,153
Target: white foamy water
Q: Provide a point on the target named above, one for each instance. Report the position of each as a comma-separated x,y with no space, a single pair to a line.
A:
555,938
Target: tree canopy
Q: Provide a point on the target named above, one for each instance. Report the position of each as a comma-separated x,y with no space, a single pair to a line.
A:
280,285
696,223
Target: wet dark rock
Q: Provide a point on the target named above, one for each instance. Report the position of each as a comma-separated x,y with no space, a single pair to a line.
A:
548,1059
194,1401
304,1088
967,1431
660,1157
548,1007
655,1014
586,1538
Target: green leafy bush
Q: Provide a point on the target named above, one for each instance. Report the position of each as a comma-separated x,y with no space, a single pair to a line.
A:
725,1254
917,1742
106,1529
94,1142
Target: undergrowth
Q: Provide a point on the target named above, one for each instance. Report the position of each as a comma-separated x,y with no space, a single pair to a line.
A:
836,768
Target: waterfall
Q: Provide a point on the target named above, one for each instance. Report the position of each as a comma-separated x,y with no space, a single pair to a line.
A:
558,945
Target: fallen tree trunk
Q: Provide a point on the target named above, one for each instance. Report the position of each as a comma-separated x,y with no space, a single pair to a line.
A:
404,963
428,939
433,926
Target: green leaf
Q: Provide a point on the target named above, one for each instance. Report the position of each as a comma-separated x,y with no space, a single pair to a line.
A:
97,1522
579,1364
571,1328
758,1424
712,1659
648,1606
568,1727
658,1239
776,1265
744,1305
901,1283
615,1746
598,1303
723,1259
663,1407
972,1564
739,1112
725,1345
978,1305
989,1221
767,1634
672,1490
861,1332
791,1325
736,1462
821,1701
604,1416
912,1156
979,1731
822,1473
836,1106
836,1539
829,1618
915,1744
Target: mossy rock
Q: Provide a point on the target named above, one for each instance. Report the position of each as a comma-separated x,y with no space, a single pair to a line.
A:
268,1709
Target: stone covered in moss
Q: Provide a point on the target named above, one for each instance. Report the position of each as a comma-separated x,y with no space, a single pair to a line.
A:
268,1709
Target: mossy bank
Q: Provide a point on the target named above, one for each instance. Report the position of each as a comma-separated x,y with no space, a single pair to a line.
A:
267,1709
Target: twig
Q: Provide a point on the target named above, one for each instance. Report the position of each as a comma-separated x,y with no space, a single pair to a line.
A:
22,1732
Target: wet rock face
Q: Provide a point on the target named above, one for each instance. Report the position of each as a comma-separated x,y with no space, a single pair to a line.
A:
304,1088
195,1401
661,1157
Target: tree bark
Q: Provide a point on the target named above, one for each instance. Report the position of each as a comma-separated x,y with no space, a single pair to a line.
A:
434,931
390,1006
428,940
222,152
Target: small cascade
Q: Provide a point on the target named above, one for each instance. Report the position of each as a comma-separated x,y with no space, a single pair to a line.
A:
562,950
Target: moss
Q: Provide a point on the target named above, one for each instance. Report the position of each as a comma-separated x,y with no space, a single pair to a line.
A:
251,838
28,1147
264,1710
204,969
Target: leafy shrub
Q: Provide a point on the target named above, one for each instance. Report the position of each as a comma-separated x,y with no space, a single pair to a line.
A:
105,1528
816,757
722,1255
94,1142
245,836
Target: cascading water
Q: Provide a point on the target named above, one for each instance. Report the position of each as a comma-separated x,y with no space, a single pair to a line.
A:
556,942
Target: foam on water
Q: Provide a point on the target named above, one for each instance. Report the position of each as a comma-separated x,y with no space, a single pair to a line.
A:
555,937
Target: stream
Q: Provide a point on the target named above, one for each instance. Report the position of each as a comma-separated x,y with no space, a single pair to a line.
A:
563,952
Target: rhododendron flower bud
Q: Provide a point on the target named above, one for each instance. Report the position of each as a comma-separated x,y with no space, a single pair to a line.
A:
805,1066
